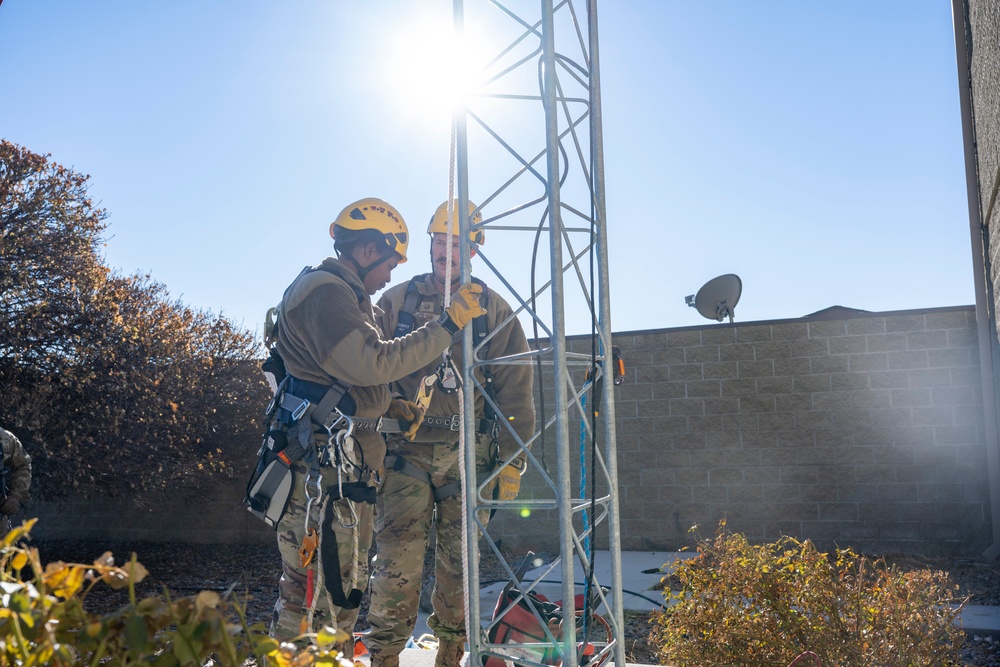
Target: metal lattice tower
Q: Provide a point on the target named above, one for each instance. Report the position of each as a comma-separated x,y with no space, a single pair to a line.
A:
536,119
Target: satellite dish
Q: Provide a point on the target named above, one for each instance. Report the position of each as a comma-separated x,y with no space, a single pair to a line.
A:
718,297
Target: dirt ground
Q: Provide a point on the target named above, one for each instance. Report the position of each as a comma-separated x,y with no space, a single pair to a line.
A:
253,570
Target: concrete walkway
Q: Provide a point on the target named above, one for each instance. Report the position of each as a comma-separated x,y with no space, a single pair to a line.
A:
641,573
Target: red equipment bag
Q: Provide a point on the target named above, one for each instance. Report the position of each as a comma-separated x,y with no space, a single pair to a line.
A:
524,637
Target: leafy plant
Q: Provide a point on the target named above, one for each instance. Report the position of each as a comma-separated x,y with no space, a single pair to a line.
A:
44,621
764,605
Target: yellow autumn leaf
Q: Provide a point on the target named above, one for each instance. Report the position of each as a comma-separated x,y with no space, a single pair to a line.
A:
66,582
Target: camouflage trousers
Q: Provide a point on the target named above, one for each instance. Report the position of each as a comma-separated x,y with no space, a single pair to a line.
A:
350,545
405,513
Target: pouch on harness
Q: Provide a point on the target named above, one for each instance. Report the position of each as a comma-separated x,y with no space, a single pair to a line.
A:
287,436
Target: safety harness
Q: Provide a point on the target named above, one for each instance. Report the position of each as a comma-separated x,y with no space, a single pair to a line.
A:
406,323
299,410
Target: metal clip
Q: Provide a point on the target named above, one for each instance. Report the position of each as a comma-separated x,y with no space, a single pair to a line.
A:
350,505
312,483
425,391
448,379
345,450
618,364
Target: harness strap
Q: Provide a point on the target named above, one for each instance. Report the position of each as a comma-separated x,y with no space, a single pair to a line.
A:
380,424
399,464
453,423
325,409
356,492
330,556
405,321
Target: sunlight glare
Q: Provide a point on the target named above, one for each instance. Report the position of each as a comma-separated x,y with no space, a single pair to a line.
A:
429,68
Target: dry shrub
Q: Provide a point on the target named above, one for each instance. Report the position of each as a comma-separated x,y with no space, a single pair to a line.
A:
114,387
764,605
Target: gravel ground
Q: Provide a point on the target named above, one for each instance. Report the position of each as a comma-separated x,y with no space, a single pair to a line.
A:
253,573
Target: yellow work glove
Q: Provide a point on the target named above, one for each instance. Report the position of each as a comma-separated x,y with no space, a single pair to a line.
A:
464,307
509,481
406,411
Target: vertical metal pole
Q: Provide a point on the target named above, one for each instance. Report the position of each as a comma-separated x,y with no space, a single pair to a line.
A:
604,325
564,126
559,368
468,395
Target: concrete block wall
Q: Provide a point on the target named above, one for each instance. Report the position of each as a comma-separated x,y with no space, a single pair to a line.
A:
210,514
850,428
847,428
984,34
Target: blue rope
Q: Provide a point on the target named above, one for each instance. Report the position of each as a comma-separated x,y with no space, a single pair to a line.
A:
583,468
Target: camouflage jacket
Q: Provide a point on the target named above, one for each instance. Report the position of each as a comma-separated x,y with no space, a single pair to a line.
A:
17,461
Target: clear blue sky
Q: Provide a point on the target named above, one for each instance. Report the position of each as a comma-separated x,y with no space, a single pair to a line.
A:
812,148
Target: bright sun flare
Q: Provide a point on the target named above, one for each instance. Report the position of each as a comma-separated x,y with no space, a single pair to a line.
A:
430,68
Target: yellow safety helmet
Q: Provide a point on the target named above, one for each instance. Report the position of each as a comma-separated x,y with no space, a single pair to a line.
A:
439,222
377,215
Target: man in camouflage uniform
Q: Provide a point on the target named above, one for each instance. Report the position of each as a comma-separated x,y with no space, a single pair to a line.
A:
327,339
16,477
422,478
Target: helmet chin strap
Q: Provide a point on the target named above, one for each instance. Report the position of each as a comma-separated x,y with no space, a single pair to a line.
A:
362,271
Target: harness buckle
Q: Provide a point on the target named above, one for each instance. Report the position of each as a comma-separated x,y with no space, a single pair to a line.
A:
301,409
454,423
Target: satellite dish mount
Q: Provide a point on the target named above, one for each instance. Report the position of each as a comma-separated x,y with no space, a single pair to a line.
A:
718,297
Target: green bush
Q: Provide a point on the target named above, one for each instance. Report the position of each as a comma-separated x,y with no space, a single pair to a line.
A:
44,620
764,605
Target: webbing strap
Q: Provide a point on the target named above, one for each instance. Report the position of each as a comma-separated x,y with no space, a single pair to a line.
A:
453,423
330,556
405,321
326,406
399,464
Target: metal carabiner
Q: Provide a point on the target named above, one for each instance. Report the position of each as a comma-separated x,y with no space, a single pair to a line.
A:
334,435
311,483
310,539
350,504
345,451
